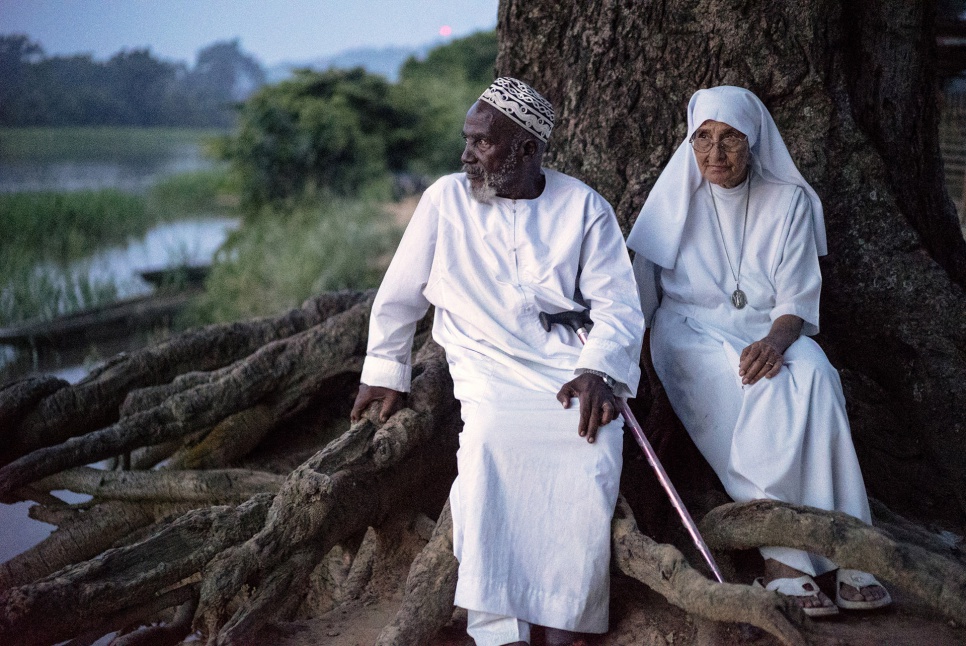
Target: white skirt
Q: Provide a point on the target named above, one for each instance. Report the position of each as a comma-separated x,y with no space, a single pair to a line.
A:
532,504
785,438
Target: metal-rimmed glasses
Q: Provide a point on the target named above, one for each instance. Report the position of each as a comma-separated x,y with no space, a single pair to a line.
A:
728,144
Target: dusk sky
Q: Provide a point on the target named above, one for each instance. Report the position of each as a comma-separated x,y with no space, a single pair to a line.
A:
272,30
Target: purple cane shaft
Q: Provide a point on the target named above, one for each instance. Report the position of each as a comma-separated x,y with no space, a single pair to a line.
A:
661,474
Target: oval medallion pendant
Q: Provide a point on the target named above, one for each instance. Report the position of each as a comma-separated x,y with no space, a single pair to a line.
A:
738,299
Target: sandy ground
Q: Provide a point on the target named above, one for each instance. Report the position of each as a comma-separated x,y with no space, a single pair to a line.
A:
640,617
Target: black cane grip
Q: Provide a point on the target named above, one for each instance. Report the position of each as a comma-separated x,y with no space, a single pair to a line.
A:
573,320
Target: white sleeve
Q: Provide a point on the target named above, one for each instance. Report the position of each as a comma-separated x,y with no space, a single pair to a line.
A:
607,285
798,278
400,302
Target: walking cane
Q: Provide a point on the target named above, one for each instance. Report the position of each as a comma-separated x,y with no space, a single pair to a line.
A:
577,322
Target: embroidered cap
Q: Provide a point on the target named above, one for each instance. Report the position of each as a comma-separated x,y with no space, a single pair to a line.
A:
522,104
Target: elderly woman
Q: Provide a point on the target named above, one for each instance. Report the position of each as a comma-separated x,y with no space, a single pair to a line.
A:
727,250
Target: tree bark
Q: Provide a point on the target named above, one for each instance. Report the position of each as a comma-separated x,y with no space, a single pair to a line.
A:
850,85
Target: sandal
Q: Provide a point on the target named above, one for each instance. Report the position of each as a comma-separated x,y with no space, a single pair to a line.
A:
803,586
858,580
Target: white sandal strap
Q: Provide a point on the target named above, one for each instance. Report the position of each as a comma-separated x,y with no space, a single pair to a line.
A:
794,587
855,578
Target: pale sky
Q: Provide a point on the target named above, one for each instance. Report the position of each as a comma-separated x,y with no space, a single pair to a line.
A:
272,30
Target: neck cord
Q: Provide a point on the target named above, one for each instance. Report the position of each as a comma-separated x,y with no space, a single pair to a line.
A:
738,298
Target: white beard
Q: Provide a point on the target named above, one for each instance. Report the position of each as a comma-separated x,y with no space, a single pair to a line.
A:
484,193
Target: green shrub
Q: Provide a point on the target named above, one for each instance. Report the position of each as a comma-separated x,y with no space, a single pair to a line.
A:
340,131
335,130
281,258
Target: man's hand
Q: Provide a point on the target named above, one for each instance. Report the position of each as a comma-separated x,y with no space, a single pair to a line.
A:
392,401
597,404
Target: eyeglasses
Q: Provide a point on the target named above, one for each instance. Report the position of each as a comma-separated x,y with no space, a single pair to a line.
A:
729,144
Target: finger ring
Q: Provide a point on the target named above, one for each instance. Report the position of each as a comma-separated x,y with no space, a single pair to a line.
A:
769,363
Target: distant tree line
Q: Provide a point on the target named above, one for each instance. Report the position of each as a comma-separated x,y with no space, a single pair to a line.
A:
340,130
132,88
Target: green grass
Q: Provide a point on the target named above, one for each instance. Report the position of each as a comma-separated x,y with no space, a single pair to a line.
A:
66,226
208,191
117,144
30,293
276,261
54,229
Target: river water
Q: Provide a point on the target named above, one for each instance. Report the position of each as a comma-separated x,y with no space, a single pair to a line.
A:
191,241
78,174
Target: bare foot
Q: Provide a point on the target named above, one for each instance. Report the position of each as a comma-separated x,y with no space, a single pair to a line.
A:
856,591
777,570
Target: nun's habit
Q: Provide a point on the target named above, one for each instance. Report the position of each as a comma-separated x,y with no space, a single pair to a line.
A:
785,438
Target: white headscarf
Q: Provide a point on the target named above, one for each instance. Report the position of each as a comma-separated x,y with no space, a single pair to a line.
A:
658,229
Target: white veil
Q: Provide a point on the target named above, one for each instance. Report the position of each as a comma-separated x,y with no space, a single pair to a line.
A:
657,232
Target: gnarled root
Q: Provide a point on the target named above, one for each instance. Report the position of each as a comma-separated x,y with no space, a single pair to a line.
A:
664,569
934,579
430,590
48,412
284,375
330,498
81,535
85,596
212,487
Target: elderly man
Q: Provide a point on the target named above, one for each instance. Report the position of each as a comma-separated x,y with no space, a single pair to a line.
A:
491,248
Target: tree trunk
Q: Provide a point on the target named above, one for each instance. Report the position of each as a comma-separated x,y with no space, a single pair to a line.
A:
850,84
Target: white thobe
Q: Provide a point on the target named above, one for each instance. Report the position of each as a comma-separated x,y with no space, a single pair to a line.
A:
533,501
785,438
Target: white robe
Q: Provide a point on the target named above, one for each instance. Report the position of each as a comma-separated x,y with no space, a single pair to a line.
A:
785,438
533,501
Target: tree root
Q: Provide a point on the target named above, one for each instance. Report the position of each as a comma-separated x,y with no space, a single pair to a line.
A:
64,411
77,599
321,507
430,590
93,532
211,486
664,569
283,375
154,635
168,634
231,439
937,581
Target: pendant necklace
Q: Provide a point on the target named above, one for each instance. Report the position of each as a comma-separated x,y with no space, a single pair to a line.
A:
738,298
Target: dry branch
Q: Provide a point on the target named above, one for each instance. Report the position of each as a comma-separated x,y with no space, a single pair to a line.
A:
937,581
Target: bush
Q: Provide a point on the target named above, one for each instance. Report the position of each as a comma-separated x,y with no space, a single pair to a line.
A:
281,258
336,130
341,131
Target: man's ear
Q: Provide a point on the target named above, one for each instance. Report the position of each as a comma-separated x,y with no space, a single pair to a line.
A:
529,148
